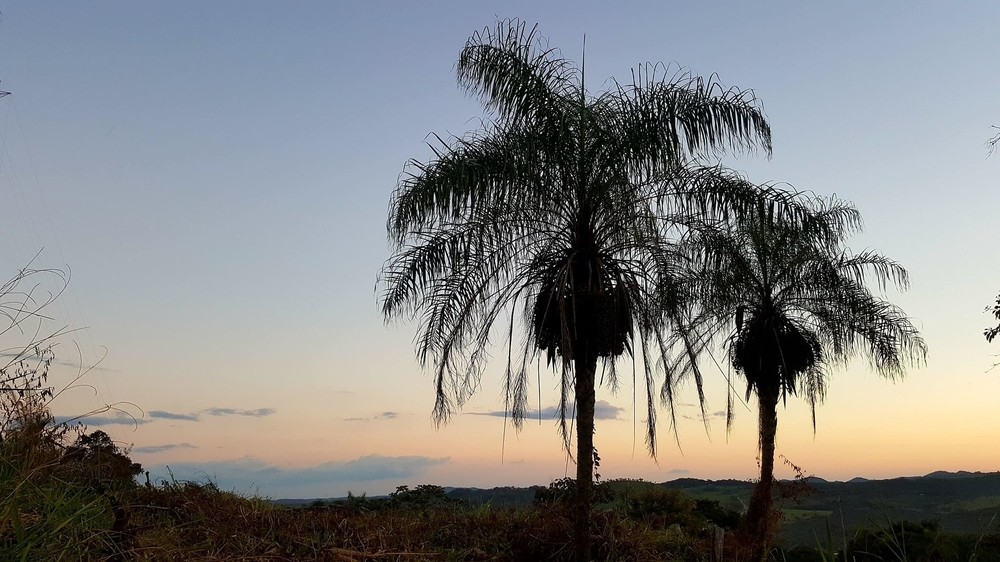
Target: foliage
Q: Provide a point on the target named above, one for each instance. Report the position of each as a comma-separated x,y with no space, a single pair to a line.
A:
192,520
654,505
98,462
926,541
791,301
43,515
188,520
714,512
57,499
661,507
563,490
179,520
901,541
423,496
991,333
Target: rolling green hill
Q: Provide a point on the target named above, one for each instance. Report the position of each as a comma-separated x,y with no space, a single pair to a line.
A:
963,502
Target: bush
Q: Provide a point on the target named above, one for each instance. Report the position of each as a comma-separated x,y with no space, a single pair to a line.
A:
57,500
422,497
563,490
95,461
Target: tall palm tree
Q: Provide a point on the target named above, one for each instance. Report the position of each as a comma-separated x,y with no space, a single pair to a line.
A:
556,217
791,303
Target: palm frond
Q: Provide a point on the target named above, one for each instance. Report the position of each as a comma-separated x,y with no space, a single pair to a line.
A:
516,74
665,119
800,290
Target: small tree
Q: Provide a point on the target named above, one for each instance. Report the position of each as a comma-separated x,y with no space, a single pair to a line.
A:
97,461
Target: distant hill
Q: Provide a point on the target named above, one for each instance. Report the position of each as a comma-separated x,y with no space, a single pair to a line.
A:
815,480
964,502
953,475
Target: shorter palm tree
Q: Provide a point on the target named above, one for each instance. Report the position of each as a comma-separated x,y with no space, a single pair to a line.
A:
791,302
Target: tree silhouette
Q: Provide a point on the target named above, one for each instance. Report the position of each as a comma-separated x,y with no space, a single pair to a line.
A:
991,333
788,303
557,217
96,460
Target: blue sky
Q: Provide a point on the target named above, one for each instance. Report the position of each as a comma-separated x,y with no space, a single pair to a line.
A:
217,175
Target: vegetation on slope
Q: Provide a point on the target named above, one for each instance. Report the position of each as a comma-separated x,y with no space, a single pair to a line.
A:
78,499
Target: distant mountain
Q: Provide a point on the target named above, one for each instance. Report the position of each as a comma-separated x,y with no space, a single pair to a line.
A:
814,480
954,475
857,479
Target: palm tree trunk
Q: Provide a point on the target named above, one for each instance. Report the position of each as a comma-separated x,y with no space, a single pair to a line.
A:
758,523
585,370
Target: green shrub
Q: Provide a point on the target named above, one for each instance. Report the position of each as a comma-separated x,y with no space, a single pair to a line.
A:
422,497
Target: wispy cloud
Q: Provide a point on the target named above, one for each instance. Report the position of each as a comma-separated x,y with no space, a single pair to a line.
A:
678,471
603,410
215,411
324,480
697,417
258,413
98,421
160,414
160,448
376,417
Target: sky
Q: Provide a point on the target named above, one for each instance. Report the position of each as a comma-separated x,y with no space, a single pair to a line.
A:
216,177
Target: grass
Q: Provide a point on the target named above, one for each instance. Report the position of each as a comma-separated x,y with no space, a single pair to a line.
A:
200,522
985,502
791,514
60,511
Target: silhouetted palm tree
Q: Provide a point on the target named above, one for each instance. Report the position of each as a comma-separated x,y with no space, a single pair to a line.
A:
792,302
556,218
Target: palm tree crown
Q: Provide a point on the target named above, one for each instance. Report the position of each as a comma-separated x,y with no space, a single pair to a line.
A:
559,204
790,302
793,301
